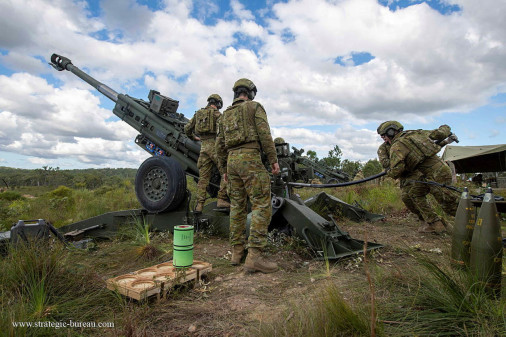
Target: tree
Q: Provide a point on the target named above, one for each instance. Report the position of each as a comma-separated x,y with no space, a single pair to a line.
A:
334,158
351,167
372,167
312,155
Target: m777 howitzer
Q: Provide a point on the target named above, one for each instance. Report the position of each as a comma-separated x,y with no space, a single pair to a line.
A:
300,168
160,182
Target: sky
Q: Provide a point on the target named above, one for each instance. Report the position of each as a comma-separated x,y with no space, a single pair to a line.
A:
327,72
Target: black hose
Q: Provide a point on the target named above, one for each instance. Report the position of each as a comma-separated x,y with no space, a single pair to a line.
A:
376,176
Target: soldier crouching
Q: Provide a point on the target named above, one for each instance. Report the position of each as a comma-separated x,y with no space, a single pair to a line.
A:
413,157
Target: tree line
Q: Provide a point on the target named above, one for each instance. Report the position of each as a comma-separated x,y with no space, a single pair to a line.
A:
54,176
335,161
94,178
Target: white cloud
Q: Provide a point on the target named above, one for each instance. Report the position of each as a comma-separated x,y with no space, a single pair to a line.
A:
355,144
24,63
240,11
425,63
39,161
39,120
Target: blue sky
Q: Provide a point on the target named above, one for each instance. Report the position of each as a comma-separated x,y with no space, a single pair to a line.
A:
327,72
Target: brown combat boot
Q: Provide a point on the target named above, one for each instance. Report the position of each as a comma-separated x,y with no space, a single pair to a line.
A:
222,203
255,262
237,254
199,208
426,228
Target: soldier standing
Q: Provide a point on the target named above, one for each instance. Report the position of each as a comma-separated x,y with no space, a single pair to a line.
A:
413,156
202,127
243,132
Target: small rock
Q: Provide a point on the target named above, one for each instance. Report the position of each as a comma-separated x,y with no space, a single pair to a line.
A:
219,279
436,250
299,283
306,263
192,328
312,280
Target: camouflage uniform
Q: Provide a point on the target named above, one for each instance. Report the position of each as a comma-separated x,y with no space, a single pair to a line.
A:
406,195
243,131
359,176
413,151
206,119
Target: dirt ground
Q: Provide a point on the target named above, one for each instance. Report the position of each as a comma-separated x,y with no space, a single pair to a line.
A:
230,302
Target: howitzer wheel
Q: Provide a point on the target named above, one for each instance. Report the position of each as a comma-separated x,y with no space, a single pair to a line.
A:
160,184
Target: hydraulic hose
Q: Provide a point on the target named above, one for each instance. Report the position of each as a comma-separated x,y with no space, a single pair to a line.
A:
349,183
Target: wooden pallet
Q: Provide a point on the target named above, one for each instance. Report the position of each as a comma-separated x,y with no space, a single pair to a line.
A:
157,280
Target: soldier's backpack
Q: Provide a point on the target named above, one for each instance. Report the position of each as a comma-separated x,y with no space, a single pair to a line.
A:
205,121
420,147
237,130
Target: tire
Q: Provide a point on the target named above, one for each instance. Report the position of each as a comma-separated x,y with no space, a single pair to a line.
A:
332,181
160,184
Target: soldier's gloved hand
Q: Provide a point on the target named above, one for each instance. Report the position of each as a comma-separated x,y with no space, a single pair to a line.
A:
275,168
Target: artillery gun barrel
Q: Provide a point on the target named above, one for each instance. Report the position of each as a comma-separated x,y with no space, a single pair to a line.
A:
165,131
62,63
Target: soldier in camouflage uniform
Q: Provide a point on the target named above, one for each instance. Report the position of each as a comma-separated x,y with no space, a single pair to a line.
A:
384,158
202,127
416,151
243,132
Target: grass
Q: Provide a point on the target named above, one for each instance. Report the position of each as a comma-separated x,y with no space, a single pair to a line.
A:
382,199
323,314
440,301
40,283
49,283
62,206
145,248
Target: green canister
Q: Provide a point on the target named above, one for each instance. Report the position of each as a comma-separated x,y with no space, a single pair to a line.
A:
183,246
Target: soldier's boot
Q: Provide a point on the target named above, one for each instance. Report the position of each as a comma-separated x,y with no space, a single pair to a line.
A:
255,262
199,207
427,228
237,254
222,203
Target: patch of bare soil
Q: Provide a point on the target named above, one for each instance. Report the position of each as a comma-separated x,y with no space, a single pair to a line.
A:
232,303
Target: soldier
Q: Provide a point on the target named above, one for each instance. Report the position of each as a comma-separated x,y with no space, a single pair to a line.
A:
413,156
243,132
384,158
359,176
203,124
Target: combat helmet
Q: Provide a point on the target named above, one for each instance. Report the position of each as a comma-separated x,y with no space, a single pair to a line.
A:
279,140
216,100
389,128
246,86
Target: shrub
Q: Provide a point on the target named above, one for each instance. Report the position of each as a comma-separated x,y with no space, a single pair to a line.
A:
11,196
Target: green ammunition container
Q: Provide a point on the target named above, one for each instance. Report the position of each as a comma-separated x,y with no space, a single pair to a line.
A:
183,236
183,246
